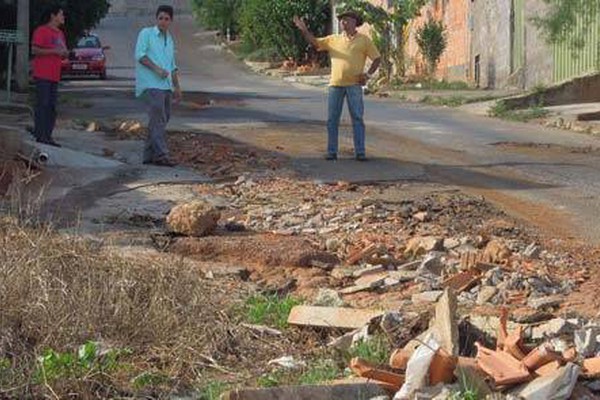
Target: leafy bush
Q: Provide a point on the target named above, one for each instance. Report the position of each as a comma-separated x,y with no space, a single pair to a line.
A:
79,15
218,14
432,42
268,24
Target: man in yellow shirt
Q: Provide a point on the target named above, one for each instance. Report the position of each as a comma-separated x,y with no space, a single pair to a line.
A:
348,52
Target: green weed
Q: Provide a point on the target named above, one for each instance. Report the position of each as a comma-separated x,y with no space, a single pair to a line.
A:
53,365
269,310
322,371
148,378
213,390
376,350
501,110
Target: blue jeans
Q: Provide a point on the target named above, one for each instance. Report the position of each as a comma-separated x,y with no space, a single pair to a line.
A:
354,96
45,109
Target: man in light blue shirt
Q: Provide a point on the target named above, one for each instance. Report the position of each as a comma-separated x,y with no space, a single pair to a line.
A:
157,81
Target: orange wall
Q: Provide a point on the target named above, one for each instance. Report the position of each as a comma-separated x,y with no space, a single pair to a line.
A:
454,64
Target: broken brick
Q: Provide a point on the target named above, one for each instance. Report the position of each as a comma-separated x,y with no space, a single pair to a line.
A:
442,368
502,367
591,368
365,369
399,358
362,254
541,356
463,280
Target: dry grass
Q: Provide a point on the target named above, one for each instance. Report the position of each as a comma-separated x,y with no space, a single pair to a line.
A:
182,331
58,293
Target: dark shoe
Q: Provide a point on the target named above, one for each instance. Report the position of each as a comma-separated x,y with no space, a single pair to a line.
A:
49,142
165,162
331,157
361,157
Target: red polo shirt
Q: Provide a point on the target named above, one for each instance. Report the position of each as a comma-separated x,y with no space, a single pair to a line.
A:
47,66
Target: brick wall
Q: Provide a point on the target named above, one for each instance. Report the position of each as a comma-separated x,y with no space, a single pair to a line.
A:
454,64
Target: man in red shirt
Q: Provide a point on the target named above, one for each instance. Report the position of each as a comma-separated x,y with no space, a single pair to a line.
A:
48,48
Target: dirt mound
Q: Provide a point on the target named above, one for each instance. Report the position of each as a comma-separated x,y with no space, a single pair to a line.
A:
262,249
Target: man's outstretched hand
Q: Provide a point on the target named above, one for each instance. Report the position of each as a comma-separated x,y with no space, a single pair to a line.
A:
299,23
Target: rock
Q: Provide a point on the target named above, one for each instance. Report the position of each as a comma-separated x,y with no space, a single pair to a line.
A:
372,280
422,216
445,326
403,276
527,315
198,218
392,323
496,251
328,298
427,297
556,386
420,245
287,362
432,264
486,293
451,243
586,341
532,251
544,302
368,271
331,317
341,272
552,328
332,245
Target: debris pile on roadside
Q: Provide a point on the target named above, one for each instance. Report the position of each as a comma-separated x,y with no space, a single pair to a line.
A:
455,357
417,246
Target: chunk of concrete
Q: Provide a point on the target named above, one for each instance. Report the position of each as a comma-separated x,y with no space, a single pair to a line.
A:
556,386
486,293
332,317
445,325
545,302
427,297
314,392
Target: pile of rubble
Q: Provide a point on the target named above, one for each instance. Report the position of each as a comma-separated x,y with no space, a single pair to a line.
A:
457,358
419,246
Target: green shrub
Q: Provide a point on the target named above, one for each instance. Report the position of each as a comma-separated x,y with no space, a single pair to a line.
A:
218,14
267,24
432,42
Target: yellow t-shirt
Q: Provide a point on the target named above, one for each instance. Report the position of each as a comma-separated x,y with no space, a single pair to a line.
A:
348,57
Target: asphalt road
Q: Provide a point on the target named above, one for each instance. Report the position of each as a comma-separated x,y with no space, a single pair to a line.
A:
547,176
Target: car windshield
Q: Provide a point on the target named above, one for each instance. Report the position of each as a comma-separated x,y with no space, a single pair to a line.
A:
88,42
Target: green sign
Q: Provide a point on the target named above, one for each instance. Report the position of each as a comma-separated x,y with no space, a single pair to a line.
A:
10,36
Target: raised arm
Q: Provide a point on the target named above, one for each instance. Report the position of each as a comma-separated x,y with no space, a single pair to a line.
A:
305,32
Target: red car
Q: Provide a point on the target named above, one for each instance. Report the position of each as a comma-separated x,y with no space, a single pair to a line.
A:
86,59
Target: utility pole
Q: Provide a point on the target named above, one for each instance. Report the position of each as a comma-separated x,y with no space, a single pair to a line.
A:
22,61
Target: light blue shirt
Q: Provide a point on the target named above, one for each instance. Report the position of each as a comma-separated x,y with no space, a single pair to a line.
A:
161,51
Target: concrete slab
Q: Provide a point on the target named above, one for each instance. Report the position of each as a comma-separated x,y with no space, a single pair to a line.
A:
332,317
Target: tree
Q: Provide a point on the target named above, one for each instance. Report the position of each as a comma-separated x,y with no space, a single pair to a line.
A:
267,24
432,42
80,15
390,28
218,14
568,20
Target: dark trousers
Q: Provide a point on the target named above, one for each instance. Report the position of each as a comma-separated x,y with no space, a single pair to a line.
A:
45,109
159,110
